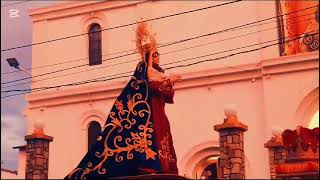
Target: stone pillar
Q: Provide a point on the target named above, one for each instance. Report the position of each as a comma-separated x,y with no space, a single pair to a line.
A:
37,155
231,164
277,154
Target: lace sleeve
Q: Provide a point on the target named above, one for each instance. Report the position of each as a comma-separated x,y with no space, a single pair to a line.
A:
164,89
154,75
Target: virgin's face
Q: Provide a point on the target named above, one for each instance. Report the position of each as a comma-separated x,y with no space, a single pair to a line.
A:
155,58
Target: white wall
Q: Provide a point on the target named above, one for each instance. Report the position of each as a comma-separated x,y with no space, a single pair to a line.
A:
167,30
260,104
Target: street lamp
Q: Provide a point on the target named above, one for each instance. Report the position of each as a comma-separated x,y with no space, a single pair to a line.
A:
14,63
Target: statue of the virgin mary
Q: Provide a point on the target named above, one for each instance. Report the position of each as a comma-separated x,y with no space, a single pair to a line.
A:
136,138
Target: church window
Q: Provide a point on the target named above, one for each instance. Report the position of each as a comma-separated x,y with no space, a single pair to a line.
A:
210,172
314,121
94,131
95,46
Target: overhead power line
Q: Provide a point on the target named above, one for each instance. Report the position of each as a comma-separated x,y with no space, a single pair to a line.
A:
121,26
208,60
184,65
220,52
135,60
123,51
168,44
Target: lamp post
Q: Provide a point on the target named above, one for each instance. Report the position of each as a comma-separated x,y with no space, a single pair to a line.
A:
13,62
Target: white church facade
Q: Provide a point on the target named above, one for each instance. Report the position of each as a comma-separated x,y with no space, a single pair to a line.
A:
267,90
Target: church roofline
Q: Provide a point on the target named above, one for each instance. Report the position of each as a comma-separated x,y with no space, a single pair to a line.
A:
61,10
60,6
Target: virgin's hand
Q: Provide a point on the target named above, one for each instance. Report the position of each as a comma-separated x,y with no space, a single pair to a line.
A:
174,78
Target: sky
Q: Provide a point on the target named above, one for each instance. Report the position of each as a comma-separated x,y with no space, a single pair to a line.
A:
16,30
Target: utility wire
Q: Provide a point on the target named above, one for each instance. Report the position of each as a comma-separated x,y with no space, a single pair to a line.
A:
175,42
184,65
226,30
76,60
256,44
71,61
121,26
135,60
83,82
166,44
208,60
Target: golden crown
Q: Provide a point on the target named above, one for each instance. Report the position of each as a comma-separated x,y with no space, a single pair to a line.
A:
145,40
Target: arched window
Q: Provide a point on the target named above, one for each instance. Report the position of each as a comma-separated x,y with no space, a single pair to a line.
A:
210,172
94,131
95,47
314,121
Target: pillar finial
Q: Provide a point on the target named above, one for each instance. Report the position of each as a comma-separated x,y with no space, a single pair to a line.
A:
38,126
231,163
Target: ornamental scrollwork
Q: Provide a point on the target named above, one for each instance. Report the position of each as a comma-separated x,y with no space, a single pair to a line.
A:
165,151
311,41
226,161
118,138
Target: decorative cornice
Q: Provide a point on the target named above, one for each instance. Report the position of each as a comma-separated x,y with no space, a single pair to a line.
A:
77,7
273,144
231,123
294,63
209,77
38,136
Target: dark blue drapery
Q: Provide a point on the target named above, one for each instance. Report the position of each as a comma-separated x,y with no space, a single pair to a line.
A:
126,144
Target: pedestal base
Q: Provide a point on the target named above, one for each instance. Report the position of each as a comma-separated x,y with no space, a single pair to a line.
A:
153,176
306,175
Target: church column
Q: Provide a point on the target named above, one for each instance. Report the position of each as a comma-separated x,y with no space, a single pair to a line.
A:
277,154
231,162
37,152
